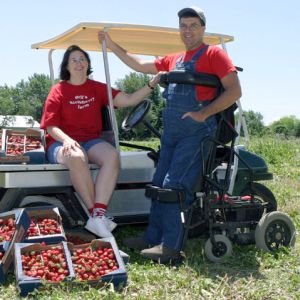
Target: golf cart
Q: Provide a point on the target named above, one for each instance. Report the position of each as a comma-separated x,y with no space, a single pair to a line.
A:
230,205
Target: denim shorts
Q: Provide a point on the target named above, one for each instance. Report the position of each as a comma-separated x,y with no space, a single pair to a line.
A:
53,149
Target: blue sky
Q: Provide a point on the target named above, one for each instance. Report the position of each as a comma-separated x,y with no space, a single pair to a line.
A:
266,43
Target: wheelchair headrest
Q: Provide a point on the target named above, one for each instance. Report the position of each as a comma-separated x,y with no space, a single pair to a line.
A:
189,77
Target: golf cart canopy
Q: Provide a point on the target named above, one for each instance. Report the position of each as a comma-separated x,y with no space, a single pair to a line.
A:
138,39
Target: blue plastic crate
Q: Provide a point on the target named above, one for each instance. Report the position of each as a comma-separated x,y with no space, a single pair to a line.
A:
36,156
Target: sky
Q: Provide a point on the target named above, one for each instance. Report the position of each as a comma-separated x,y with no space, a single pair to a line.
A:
266,42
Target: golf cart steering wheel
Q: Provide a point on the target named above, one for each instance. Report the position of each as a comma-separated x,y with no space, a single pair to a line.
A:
136,115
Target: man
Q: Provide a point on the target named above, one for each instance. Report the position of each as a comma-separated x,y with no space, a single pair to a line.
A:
189,118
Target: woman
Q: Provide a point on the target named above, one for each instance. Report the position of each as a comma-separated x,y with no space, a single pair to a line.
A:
72,119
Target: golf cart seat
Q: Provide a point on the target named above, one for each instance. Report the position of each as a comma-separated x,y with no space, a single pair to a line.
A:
107,131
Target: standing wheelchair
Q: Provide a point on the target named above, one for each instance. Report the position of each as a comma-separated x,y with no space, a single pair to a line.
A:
230,205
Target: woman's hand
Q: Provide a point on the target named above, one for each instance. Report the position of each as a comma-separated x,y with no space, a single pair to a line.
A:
68,146
155,80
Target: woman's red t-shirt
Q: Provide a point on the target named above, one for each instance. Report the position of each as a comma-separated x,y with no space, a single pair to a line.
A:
76,109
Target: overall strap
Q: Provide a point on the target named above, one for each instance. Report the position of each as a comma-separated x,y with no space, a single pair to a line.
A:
199,53
179,59
195,57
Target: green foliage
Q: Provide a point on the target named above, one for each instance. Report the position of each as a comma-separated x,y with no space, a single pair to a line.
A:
26,98
254,121
7,104
286,126
276,151
153,143
283,159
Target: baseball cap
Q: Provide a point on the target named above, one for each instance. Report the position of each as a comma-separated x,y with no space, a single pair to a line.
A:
194,10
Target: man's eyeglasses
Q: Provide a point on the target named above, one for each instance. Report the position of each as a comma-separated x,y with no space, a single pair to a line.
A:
192,27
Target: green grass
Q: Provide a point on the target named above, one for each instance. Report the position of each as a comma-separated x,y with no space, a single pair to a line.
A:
248,274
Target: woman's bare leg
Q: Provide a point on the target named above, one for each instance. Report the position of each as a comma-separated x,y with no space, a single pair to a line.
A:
80,174
107,157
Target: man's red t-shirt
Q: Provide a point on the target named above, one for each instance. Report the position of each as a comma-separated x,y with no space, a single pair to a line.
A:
76,109
213,61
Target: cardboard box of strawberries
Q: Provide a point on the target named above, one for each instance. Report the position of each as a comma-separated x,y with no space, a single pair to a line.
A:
45,226
97,263
23,146
35,240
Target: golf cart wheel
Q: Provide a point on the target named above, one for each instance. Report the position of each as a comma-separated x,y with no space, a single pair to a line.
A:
217,252
275,230
262,194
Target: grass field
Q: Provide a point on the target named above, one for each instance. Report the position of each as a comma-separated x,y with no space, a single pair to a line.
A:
248,274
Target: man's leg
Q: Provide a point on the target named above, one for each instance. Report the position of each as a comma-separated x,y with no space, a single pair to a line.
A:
153,234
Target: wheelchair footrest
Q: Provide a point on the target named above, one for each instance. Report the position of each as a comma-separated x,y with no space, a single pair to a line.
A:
164,195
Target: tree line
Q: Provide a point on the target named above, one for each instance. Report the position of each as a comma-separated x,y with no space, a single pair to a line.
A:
27,98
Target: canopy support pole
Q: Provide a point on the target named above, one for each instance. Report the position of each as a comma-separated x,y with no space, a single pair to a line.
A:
50,62
241,119
109,92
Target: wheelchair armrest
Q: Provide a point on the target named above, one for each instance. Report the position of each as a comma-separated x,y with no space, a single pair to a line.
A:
164,195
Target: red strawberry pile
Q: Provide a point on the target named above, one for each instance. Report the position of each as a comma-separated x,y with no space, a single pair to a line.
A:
32,143
43,226
50,265
18,144
15,145
92,264
75,239
7,229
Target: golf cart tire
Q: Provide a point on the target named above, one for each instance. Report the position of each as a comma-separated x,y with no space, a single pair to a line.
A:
222,249
275,230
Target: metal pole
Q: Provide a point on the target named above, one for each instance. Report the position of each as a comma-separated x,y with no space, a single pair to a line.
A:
242,120
50,62
111,105
241,123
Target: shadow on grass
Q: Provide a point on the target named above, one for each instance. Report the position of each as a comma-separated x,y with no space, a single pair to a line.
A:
242,264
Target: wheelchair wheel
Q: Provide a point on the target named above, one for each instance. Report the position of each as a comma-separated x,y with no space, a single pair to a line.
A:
275,230
262,194
222,249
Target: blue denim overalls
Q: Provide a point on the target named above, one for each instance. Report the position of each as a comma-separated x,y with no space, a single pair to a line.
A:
180,160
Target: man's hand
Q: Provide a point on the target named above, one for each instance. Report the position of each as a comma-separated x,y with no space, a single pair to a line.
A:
104,36
198,116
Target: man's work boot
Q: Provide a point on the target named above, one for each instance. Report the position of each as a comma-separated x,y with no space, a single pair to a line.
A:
137,243
162,255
